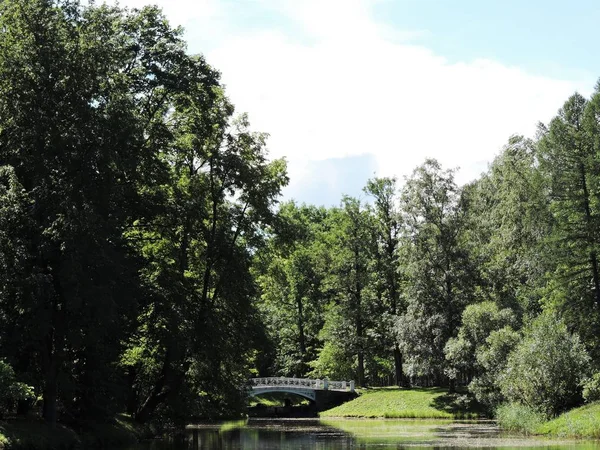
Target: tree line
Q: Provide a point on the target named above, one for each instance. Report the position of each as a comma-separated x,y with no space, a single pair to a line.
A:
492,285
146,266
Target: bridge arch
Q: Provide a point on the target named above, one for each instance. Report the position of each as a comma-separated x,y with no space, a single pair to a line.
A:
309,394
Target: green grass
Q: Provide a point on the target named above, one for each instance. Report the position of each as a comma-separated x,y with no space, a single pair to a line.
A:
519,418
582,422
396,403
277,399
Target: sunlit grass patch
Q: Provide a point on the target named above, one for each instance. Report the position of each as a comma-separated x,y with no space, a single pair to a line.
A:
417,403
583,422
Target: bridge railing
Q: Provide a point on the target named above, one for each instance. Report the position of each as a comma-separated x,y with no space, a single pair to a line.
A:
303,383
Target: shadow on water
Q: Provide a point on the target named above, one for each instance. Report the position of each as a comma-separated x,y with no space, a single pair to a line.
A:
354,434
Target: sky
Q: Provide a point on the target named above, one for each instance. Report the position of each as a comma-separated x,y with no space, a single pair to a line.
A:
352,89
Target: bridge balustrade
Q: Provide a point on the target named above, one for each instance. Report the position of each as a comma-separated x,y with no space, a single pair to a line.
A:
302,383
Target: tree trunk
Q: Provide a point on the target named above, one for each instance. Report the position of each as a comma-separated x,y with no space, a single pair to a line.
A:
301,337
398,375
52,353
49,396
361,369
590,226
451,386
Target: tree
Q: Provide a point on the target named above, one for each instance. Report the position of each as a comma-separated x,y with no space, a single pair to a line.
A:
570,162
388,227
291,272
352,244
436,263
135,203
79,115
201,317
509,224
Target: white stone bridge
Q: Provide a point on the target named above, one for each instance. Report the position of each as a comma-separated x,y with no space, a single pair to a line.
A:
322,392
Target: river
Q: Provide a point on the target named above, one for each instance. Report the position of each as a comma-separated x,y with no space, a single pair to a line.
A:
344,434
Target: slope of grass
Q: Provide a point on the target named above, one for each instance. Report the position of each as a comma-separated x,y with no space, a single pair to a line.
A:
582,422
418,403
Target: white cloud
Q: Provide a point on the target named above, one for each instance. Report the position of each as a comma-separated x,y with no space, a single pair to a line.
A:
351,86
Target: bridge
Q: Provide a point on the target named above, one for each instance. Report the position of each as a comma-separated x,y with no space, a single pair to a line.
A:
323,393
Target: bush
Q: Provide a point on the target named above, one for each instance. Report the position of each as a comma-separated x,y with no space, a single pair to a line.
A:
492,358
520,418
591,388
546,368
11,391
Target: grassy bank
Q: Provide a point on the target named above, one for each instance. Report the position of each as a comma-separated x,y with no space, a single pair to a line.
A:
418,403
29,434
583,422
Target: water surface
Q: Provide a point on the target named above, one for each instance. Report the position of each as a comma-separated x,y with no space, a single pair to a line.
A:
367,434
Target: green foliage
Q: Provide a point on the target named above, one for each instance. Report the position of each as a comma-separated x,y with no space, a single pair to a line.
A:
519,418
292,273
438,271
132,204
546,369
11,390
570,162
478,322
492,358
591,388
510,221
335,360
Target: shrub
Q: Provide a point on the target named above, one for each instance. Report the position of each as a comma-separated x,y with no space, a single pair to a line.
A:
520,418
546,368
11,391
591,388
492,358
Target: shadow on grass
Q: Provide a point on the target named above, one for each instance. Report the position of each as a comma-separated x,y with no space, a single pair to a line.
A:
459,404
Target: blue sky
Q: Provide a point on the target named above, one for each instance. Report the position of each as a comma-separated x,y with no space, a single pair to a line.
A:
548,37
350,89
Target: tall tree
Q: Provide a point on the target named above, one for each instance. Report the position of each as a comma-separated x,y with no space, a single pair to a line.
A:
572,167
291,272
353,242
388,227
439,274
81,103
509,223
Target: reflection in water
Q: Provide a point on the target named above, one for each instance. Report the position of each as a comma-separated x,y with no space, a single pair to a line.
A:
354,434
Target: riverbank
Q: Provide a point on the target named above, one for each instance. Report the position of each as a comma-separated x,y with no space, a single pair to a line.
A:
415,403
580,423
29,434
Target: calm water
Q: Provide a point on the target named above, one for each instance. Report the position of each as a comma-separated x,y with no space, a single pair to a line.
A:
354,434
